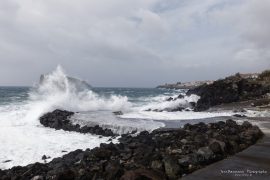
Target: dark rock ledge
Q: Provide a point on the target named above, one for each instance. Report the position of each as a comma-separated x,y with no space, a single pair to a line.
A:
161,154
233,89
59,119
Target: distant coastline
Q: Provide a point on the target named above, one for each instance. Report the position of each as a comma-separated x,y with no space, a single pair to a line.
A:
194,84
185,85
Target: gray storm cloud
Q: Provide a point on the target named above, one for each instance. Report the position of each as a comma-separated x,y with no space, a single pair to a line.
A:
139,43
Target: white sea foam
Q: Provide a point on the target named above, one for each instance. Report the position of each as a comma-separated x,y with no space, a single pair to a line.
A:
23,140
116,124
253,113
173,115
161,103
26,144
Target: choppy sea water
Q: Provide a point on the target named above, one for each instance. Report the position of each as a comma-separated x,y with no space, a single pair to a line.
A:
24,140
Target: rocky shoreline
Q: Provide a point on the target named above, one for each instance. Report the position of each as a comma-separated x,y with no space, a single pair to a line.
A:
59,119
234,88
253,90
185,85
161,154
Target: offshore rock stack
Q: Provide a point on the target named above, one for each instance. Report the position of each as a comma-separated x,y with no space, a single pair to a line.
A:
161,154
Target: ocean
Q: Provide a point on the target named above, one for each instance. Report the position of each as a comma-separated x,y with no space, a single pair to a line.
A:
24,140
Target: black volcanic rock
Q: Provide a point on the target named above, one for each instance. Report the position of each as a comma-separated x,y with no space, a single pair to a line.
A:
118,113
170,99
161,154
59,119
228,90
187,106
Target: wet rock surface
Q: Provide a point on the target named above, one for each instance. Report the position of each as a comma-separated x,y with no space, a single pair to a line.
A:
59,119
118,113
161,154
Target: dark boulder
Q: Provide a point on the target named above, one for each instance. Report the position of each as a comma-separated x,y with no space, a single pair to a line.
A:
59,119
180,96
246,124
44,157
170,99
239,115
113,169
172,169
206,153
216,148
118,113
231,123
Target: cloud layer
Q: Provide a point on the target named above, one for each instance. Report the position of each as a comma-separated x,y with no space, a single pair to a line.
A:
133,43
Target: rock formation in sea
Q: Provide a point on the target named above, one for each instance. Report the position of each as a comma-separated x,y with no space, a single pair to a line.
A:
59,119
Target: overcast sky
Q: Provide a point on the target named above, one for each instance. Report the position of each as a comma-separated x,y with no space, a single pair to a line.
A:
133,43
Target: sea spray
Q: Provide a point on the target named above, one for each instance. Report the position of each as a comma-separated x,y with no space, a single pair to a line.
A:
58,92
24,140
160,102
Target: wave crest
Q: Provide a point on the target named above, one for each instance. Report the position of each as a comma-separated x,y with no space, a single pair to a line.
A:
58,91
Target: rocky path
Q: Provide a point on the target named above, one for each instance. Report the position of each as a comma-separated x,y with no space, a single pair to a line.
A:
252,163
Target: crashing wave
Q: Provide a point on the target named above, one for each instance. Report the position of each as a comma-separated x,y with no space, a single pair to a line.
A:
78,84
57,90
178,104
